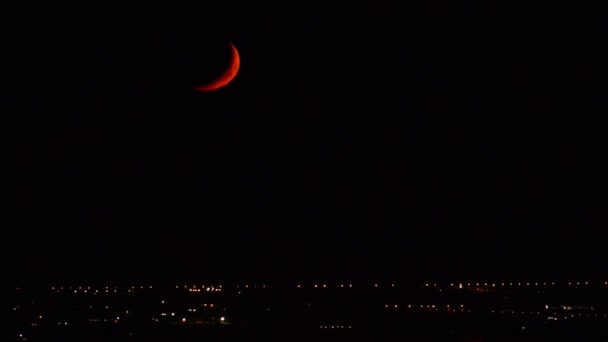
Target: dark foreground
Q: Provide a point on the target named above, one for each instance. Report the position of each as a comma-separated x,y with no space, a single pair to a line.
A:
325,312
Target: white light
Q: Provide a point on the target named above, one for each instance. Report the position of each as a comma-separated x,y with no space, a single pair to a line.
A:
173,314
183,319
222,318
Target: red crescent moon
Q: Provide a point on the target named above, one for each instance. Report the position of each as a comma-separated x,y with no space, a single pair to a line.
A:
227,76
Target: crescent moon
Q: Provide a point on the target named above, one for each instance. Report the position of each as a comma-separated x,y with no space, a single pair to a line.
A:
227,76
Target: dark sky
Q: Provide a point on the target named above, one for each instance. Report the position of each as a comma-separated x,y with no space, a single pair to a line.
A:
371,141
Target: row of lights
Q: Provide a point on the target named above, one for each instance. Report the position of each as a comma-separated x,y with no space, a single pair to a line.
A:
325,285
335,327
202,286
554,313
579,315
54,288
104,320
94,292
59,288
207,290
252,286
141,287
461,285
430,306
222,319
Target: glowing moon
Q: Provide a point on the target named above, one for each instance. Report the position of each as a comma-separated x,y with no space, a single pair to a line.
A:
227,76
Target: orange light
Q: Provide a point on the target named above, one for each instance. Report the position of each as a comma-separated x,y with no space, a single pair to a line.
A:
227,76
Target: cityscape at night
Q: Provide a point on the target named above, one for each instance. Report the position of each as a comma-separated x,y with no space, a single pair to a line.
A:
526,311
303,171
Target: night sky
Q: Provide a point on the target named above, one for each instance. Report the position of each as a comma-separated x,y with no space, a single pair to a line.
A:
437,140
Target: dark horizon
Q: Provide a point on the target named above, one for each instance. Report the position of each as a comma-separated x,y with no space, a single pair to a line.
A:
437,142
